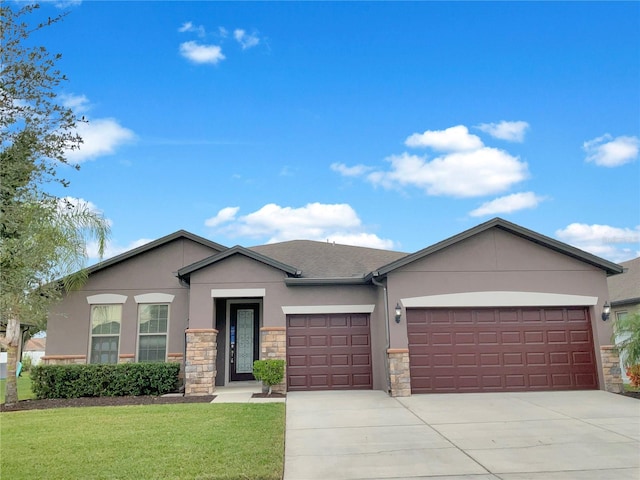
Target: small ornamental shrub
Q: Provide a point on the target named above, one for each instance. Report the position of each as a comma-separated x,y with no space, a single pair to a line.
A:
73,381
270,372
633,372
27,363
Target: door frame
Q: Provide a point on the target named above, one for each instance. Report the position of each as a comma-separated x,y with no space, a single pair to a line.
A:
234,301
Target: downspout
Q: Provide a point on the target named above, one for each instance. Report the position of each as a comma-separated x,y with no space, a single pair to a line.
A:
186,285
386,329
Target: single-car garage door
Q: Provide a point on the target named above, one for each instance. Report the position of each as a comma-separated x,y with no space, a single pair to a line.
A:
327,352
500,349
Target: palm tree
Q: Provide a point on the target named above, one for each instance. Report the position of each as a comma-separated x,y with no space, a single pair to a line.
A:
626,335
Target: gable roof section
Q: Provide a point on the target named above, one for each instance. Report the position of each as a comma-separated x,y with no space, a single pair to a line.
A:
625,289
323,260
185,272
609,267
155,244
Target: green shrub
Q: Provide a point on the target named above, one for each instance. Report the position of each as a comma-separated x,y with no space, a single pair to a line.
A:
270,372
27,363
73,381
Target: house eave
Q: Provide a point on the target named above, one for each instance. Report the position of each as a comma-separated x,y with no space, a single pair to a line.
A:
185,272
326,281
624,302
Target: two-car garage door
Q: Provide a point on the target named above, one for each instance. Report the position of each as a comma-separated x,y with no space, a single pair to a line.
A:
329,352
500,349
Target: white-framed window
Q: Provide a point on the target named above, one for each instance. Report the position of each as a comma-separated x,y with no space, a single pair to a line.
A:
153,325
105,333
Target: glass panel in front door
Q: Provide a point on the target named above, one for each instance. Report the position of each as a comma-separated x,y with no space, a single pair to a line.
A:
244,341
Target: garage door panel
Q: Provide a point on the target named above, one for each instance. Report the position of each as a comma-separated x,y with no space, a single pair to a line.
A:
501,350
329,352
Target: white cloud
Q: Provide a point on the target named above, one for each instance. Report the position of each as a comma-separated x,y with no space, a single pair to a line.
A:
607,151
191,28
79,204
314,221
510,131
474,173
77,103
199,53
613,243
466,168
245,39
453,139
64,3
100,137
223,32
508,204
223,216
355,171
113,249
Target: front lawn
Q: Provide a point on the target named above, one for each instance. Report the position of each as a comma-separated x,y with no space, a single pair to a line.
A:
185,441
24,388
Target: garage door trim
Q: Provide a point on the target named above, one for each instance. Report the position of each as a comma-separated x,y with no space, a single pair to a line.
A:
499,299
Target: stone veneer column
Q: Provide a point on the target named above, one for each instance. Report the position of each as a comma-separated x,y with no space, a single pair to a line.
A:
200,365
399,376
611,369
273,346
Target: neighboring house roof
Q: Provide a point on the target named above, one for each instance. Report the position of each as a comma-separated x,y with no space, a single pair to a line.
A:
328,260
609,267
185,272
155,244
625,289
35,345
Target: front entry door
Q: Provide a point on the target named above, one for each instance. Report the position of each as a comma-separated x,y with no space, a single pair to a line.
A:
244,334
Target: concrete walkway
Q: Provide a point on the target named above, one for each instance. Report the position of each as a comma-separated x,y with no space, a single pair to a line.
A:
584,435
242,392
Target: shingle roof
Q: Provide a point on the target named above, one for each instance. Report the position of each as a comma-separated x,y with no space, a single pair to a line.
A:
328,260
35,345
625,288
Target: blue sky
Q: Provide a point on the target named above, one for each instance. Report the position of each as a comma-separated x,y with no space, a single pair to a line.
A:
390,125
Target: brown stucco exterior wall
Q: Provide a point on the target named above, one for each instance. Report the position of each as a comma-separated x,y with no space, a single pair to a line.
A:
239,272
495,260
68,331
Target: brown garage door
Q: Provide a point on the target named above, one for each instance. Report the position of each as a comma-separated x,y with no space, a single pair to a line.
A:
328,352
505,349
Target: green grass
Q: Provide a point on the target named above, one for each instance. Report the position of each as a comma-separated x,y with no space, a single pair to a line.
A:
629,388
24,388
180,441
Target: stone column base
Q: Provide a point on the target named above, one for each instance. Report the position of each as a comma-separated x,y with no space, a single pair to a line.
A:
273,346
399,376
200,365
611,369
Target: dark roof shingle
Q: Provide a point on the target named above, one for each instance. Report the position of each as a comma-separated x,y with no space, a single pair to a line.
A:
328,260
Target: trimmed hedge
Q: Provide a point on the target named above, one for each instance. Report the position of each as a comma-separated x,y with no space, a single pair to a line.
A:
73,381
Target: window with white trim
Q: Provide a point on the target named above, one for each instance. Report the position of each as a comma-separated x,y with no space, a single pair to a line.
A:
153,322
105,333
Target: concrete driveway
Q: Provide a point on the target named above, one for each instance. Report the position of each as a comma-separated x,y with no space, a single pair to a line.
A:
550,435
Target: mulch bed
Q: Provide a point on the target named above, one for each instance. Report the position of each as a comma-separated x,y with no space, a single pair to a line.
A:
101,402
631,394
142,400
264,395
